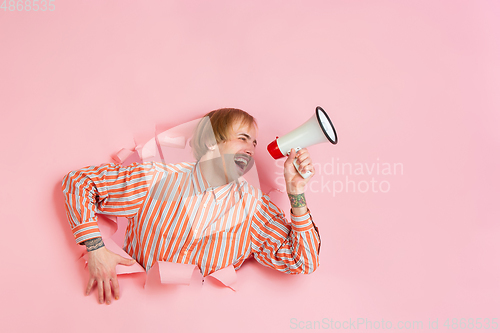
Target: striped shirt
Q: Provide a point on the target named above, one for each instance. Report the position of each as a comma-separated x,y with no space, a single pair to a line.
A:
174,215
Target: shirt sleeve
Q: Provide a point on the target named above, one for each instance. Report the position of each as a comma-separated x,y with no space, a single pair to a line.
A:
292,248
106,189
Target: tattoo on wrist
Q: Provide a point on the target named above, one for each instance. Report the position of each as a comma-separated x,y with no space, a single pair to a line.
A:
297,200
94,244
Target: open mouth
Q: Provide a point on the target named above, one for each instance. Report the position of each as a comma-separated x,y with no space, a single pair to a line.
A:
243,162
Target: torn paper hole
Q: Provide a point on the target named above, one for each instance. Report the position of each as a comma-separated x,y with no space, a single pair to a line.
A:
148,151
122,155
227,276
169,146
107,225
165,140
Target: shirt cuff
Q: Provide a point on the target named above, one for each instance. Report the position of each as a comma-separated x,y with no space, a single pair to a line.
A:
86,231
301,223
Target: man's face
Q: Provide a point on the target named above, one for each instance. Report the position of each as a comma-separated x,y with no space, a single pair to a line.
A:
238,150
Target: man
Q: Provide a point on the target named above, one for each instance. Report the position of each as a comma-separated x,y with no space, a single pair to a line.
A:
198,213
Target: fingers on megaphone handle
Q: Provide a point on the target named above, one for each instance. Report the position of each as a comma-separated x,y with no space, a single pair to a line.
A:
292,156
295,151
305,174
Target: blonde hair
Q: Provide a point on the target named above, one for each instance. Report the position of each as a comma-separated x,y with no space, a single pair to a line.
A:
219,122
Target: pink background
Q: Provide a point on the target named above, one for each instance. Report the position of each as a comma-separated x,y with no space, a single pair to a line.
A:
410,82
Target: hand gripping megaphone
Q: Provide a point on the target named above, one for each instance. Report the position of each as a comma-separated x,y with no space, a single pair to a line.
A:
317,129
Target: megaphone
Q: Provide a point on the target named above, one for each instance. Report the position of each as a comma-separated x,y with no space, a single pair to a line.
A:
317,129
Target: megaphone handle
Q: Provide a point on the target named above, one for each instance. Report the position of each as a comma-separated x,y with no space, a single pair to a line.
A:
304,175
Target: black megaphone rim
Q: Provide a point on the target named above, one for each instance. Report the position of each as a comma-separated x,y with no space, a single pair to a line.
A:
318,110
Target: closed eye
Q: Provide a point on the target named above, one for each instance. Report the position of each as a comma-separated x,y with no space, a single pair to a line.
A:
246,137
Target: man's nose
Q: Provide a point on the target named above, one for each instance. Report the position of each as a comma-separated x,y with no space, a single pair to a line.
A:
250,150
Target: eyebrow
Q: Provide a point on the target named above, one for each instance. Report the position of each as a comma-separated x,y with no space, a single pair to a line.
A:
248,137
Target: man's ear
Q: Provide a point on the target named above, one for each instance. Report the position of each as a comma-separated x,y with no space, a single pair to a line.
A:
211,146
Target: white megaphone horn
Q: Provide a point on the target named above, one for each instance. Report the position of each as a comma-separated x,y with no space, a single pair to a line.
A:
317,129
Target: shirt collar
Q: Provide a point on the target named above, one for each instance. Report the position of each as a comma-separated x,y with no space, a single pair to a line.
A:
201,185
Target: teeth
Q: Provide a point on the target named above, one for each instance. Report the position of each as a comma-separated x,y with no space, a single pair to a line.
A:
242,160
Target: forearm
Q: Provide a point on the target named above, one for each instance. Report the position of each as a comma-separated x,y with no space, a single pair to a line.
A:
288,246
86,194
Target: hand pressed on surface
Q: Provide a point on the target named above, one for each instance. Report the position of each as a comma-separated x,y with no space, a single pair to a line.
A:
102,269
